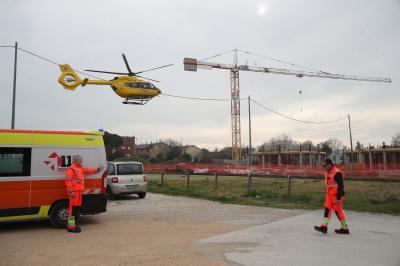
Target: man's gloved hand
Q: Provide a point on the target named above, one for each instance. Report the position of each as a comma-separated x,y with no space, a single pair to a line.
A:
72,194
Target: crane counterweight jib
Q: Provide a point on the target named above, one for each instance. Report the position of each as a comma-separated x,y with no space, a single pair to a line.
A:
190,64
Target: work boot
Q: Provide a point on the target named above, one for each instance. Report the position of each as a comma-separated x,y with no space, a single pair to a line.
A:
342,231
323,229
74,230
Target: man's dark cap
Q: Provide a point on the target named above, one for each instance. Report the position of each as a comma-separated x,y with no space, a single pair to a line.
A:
328,161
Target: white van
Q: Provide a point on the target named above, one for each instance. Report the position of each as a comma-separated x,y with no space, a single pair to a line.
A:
126,178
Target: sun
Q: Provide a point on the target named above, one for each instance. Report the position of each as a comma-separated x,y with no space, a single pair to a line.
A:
262,10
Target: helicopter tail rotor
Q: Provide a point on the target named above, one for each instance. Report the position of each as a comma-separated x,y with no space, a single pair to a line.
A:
68,78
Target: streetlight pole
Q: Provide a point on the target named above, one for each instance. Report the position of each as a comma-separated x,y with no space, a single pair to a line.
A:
14,87
250,162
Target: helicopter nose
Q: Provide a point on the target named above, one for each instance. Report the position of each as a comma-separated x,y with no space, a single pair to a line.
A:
159,91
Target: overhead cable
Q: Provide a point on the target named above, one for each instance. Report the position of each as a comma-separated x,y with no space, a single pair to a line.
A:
298,120
197,98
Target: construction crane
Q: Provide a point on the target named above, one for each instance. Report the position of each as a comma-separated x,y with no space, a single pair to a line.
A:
191,64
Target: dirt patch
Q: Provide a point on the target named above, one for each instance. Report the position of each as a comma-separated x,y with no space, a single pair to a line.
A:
158,230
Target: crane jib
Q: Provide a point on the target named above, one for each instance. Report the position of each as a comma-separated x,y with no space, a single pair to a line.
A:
191,64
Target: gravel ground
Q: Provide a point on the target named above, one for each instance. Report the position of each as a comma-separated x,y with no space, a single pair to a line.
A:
157,230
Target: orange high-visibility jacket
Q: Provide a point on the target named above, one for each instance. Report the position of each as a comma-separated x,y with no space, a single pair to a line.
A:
331,187
75,177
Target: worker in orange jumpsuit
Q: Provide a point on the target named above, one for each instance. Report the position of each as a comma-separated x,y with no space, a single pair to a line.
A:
75,184
334,188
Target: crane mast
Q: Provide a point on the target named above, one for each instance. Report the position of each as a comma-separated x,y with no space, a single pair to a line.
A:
191,64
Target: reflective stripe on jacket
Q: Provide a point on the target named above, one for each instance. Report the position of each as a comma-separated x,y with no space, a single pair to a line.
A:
331,187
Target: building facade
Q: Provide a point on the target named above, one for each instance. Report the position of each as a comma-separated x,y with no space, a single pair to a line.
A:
128,146
289,157
386,158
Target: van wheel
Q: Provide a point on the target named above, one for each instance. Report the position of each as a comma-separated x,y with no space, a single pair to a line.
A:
142,195
59,215
110,194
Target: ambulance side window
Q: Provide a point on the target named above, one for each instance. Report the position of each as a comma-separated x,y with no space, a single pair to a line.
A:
15,161
111,169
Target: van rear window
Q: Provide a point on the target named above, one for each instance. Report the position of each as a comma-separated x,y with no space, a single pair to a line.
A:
129,169
15,161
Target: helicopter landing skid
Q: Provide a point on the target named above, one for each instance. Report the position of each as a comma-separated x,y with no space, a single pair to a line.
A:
137,102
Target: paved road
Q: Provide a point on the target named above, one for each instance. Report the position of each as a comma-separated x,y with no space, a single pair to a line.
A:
374,240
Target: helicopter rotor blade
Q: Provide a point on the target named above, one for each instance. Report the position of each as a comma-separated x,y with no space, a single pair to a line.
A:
127,65
107,72
153,69
148,78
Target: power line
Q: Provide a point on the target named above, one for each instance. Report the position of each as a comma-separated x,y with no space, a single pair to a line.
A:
55,63
39,56
298,120
50,61
197,98
257,103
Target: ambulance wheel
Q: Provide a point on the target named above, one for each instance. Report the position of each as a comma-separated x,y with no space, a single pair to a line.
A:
59,215
142,195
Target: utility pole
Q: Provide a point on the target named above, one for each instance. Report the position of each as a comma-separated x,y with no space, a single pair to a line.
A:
249,159
14,88
351,140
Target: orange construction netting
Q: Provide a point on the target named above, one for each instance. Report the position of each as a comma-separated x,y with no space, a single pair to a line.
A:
374,171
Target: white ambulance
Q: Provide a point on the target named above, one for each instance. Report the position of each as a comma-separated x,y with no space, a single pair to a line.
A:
32,171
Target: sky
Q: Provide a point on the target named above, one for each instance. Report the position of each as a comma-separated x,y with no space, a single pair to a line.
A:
353,37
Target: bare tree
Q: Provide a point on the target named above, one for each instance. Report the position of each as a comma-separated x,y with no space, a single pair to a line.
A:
359,146
336,145
396,140
171,142
307,145
284,142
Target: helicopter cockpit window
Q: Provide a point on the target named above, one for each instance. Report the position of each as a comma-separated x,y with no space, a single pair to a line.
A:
143,85
132,84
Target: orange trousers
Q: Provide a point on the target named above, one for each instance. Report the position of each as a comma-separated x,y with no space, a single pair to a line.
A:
75,199
332,204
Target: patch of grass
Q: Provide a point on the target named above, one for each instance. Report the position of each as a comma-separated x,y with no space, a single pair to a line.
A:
366,196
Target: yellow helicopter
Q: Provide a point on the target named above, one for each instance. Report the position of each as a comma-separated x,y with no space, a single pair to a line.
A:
128,85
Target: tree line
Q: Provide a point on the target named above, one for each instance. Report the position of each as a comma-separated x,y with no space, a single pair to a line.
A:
175,151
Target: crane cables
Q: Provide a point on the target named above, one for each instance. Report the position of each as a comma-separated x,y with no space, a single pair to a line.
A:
282,61
265,57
